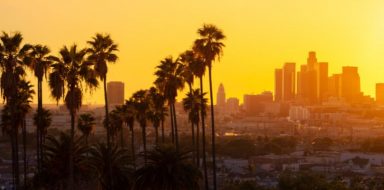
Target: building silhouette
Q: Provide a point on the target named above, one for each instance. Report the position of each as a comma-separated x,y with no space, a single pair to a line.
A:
334,86
115,93
288,76
255,103
350,84
380,93
278,85
221,96
232,105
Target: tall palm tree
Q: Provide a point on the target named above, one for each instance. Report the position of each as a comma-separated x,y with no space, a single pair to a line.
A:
210,47
102,52
12,73
130,115
167,169
86,123
70,72
116,124
197,67
141,104
39,62
45,118
24,100
157,111
169,80
192,105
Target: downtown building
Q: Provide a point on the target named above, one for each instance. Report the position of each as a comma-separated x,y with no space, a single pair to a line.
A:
115,93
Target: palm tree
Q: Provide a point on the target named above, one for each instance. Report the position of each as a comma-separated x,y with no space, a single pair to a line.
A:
45,121
39,62
57,158
157,111
102,52
116,124
141,104
86,123
167,169
119,158
209,47
130,114
24,99
69,72
196,65
192,105
169,80
12,67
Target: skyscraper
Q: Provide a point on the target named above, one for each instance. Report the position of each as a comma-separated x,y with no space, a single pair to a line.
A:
350,84
221,96
278,85
115,93
288,83
334,86
380,93
322,80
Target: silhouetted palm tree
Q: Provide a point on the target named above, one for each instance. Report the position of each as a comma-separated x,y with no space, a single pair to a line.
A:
69,73
169,80
46,120
39,62
12,73
130,115
210,46
157,111
102,52
197,67
141,105
86,123
116,124
101,157
57,157
24,99
167,169
192,105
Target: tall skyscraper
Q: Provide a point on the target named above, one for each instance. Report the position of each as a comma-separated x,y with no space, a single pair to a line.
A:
115,93
278,84
334,86
380,93
288,87
221,96
312,80
350,84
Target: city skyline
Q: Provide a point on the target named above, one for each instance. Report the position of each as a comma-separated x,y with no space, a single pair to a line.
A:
250,55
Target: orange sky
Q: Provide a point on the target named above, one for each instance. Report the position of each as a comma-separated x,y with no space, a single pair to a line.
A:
261,35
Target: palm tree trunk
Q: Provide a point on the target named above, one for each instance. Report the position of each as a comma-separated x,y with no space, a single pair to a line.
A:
176,132
213,134
39,131
192,131
172,126
144,136
162,130
109,185
122,137
157,134
24,151
197,145
71,158
203,135
133,147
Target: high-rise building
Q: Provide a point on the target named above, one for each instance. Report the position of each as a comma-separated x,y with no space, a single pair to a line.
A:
334,86
380,93
312,80
221,96
254,104
232,105
278,85
289,75
115,93
350,84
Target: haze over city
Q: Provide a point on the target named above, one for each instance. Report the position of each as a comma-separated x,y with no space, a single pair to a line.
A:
262,35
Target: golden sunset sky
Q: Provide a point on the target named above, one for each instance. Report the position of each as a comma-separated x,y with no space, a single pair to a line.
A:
261,35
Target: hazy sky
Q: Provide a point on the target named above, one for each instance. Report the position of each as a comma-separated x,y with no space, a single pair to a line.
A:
261,35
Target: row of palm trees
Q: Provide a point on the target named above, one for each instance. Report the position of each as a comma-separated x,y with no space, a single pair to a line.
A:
78,69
